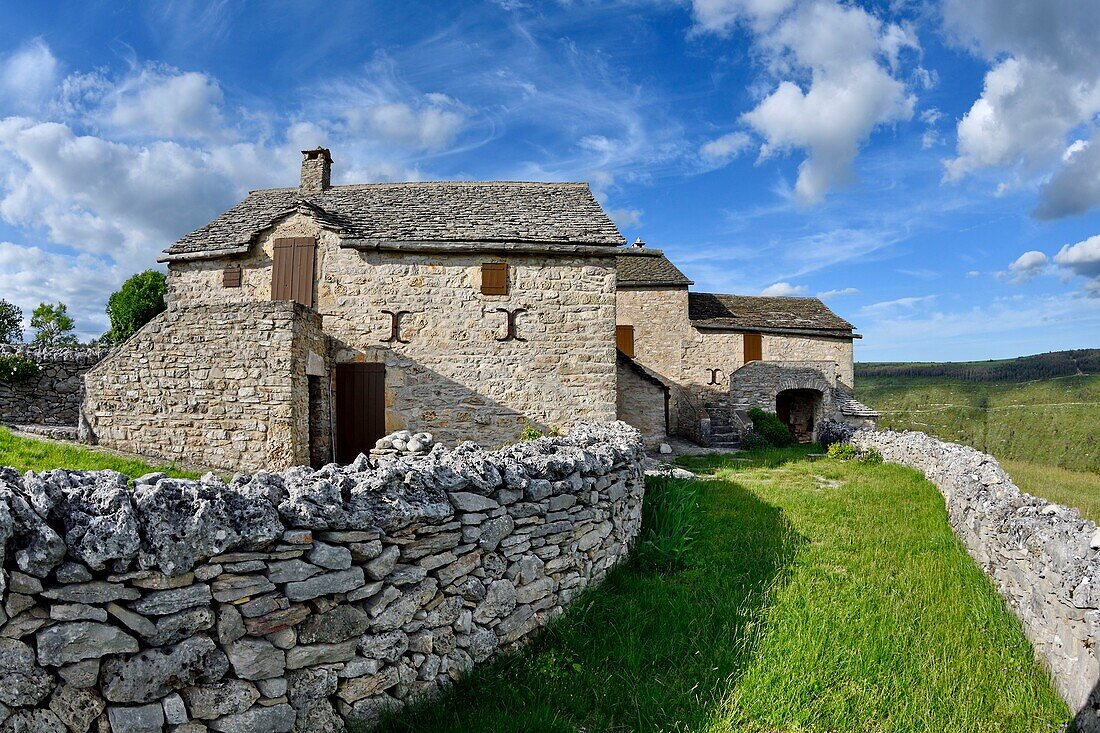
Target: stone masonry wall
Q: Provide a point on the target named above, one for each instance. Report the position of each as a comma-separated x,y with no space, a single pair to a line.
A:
805,348
1043,558
218,385
53,397
641,403
299,600
453,378
659,318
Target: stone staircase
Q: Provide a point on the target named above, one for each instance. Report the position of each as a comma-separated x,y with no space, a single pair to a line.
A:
724,425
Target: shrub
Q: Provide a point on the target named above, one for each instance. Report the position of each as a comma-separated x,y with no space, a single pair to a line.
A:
530,432
52,325
753,440
848,452
11,323
771,427
834,431
870,457
668,521
17,368
842,451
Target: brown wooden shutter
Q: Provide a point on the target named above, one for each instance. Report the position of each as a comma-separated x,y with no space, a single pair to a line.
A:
231,277
292,274
494,278
754,347
624,340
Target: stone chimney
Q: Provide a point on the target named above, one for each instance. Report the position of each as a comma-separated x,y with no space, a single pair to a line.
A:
316,171
638,243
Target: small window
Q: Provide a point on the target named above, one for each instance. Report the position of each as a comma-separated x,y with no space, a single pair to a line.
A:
624,340
754,347
231,277
494,278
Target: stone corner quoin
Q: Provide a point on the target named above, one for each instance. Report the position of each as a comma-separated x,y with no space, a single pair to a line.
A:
297,600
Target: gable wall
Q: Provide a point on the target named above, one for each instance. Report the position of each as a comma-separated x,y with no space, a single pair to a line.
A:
452,378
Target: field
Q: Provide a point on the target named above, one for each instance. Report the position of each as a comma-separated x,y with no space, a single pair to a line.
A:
1040,415
819,596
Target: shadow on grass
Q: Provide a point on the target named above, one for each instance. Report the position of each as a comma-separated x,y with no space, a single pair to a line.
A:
644,651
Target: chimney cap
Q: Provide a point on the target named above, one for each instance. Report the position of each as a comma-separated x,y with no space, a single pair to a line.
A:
638,243
318,152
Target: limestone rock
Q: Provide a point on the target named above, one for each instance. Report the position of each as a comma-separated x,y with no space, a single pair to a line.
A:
340,581
79,640
33,721
499,601
339,624
227,697
152,674
181,522
274,719
141,719
21,681
256,659
388,646
76,707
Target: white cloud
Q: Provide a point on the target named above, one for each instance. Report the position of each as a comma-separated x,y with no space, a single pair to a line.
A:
166,103
838,293
1043,84
1027,266
725,148
898,305
973,273
624,218
836,68
1083,259
784,289
28,76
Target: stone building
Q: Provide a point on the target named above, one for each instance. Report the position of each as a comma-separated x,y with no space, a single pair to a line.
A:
305,323
721,355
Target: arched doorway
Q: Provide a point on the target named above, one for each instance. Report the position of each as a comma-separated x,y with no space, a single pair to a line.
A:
799,410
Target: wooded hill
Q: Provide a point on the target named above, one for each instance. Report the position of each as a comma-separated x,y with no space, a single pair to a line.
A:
1020,369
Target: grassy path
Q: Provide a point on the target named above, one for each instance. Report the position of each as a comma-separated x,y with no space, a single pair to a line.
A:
30,454
821,597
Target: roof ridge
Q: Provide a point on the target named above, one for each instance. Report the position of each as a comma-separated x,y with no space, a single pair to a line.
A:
400,184
762,297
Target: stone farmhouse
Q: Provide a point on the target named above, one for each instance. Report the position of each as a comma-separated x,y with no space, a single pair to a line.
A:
305,323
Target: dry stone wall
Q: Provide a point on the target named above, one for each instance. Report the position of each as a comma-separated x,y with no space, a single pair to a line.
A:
300,600
52,397
1043,558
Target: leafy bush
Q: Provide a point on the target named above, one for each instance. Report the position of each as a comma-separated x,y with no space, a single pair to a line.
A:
530,432
870,457
834,431
842,451
668,521
771,427
17,368
753,440
848,452
11,323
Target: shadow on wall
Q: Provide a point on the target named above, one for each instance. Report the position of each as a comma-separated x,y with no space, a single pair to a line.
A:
1087,720
649,646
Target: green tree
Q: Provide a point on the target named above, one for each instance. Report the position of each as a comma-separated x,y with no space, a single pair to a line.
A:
52,325
134,304
11,323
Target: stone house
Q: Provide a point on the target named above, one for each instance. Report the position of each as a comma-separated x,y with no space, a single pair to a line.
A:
305,323
721,355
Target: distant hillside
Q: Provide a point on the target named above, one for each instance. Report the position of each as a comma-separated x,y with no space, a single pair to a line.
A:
1043,409
1020,369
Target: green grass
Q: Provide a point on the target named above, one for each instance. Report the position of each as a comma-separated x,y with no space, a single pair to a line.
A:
1054,421
818,596
1072,488
28,454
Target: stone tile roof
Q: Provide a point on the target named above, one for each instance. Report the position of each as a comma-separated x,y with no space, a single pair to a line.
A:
849,405
473,211
648,269
762,313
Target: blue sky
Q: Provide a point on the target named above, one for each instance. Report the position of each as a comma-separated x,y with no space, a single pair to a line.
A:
926,168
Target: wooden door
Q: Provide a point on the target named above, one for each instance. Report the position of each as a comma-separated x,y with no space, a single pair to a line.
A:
360,402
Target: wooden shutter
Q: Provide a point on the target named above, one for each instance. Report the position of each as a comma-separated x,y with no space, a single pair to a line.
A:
231,277
754,347
494,278
292,274
624,340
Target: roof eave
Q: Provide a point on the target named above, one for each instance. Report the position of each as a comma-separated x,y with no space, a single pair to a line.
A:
504,246
835,333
